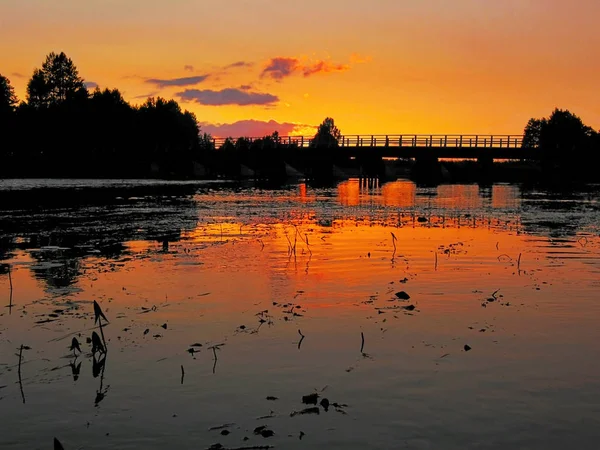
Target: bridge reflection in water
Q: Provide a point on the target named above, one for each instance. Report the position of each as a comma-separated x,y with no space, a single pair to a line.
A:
405,194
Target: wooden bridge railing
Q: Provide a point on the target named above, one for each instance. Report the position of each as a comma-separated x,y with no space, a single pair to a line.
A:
405,140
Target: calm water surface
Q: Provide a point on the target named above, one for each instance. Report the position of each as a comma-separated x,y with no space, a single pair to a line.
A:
238,274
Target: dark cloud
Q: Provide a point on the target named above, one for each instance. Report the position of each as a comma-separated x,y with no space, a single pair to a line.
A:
255,128
245,87
323,67
228,96
280,68
18,75
90,84
238,64
188,68
185,81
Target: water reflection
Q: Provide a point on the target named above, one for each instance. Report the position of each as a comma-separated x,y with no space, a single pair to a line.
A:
294,282
100,223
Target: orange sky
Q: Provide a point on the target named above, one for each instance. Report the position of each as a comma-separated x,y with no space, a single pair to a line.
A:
377,66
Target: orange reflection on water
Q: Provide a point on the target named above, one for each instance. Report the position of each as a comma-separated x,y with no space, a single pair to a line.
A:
399,194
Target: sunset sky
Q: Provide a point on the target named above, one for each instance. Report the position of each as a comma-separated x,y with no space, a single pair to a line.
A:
248,67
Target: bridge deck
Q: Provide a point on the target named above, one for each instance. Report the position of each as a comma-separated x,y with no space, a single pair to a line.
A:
415,145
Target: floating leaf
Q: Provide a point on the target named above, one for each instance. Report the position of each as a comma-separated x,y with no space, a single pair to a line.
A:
99,397
467,348
98,313
402,295
75,370
97,366
97,343
75,345
58,445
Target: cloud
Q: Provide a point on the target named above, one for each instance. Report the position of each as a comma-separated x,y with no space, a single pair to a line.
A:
185,81
188,68
245,87
257,128
90,84
280,68
228,96
238,64
324,67
18,75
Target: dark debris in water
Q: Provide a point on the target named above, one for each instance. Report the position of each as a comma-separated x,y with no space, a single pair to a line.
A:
310,399
264,431
221,427
402,295
254,447
313,410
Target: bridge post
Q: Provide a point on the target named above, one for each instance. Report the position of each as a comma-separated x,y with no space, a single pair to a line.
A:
476,140
460,141
400,142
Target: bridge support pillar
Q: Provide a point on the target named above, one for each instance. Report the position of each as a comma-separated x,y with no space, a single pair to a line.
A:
486,166
371,166
427,167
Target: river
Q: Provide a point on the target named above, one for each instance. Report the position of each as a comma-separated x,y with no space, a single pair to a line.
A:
356,316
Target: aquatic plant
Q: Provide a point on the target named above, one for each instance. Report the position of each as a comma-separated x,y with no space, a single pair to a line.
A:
98,316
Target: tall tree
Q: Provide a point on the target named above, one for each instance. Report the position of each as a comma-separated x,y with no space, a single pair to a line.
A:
328,135
565,141
8,99
533,133
56,82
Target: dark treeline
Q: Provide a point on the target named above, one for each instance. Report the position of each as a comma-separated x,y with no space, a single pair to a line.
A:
272,158
62,129
569,148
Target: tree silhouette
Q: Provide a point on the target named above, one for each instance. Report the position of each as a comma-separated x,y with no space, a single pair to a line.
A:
533,132
566,143
56,82
8,102
328,135
8,99
169,136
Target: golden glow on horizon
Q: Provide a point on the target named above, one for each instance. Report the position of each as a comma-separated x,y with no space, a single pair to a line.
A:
392,66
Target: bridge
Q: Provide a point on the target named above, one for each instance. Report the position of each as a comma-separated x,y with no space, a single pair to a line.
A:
414,146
